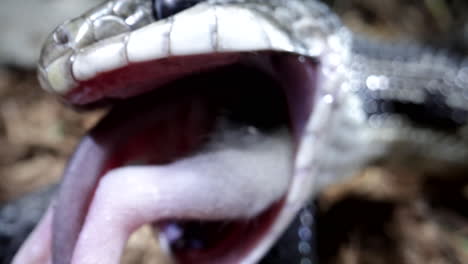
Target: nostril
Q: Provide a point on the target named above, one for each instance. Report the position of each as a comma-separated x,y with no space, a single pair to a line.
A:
61,36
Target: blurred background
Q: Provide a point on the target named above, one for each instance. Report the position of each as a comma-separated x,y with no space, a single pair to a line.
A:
375,218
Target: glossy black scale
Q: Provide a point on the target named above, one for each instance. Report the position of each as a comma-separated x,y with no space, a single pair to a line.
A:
433,113
166,8
298,243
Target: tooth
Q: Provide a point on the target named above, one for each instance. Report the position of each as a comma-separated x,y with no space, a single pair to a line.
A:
150,42
104,56
242,182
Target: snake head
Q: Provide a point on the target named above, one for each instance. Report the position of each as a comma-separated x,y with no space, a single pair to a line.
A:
232,115
79,50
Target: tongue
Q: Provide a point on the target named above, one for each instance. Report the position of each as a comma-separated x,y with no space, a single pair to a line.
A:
219,184
136,131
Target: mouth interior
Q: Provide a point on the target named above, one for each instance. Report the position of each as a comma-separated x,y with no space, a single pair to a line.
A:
240,96
196,110
191,116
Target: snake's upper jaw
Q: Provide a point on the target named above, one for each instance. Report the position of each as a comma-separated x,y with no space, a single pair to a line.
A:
109,38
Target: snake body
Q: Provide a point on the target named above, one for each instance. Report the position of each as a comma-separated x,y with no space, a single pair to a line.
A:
402,107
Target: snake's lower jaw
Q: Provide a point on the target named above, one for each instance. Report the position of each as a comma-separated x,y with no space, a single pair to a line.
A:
217,151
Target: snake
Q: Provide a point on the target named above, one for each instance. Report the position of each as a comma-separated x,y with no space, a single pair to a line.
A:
351,103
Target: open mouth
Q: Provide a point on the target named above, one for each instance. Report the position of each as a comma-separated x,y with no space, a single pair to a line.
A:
220,130
207,157
206,138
